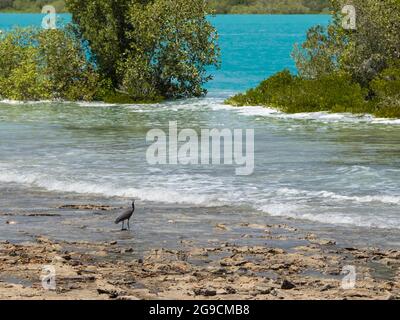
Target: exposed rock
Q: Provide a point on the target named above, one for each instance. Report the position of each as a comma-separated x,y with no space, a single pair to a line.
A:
263,289
108,289
205,292
310,236
287,285
127,250
226,270
87,207
221,226
127,298
327,287
286,227
322,242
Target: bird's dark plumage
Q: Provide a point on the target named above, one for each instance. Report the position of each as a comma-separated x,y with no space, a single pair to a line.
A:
126,215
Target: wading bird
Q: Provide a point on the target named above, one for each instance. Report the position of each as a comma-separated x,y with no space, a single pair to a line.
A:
126,215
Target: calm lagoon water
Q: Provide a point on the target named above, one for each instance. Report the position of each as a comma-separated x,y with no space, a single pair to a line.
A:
331,171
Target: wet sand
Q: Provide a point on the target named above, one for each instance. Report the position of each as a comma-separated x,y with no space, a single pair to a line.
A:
236,260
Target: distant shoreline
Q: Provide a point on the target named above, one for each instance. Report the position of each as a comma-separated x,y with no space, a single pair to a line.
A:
222,14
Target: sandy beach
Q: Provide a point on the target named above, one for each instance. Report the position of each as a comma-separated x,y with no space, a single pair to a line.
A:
221,270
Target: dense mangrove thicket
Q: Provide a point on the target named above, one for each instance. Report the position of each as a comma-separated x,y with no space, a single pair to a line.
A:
150,49
220,6
40,64
115,51
339,69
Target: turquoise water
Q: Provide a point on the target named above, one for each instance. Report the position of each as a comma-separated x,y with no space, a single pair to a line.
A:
316,168
256,46
11,20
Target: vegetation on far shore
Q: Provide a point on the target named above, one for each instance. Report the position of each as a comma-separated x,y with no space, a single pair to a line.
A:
29,6
219,6
270,6
341,70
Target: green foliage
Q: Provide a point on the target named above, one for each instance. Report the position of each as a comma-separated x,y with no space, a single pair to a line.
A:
376,42
322,52
363,53
6,4
19,77
269,6
387,83
117,51
103,25
341,70
288,93
24,81
171,43
150,49
40,64
370,54
386,90
388,107
219,6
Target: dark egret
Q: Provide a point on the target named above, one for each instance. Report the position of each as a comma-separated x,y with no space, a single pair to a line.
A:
126,215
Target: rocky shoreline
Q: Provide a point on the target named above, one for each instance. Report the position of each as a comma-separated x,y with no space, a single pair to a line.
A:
223,270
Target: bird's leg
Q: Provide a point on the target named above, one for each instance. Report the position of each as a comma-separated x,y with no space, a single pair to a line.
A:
129,228
122,225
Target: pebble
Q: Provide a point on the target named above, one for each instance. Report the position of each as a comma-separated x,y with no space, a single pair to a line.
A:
205,292
287,285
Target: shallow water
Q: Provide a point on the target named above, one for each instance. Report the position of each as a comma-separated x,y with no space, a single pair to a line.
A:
323,170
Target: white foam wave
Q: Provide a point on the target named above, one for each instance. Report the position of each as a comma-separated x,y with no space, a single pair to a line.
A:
217,103
387,199
289,211
280,209
19,102
285,207
325,117
386,121
109,190
94,104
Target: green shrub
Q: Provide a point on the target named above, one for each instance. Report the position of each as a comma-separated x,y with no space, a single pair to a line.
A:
288,93
24,82
388,107
341,70
40,64
385,89
387,83
119,97
150,48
